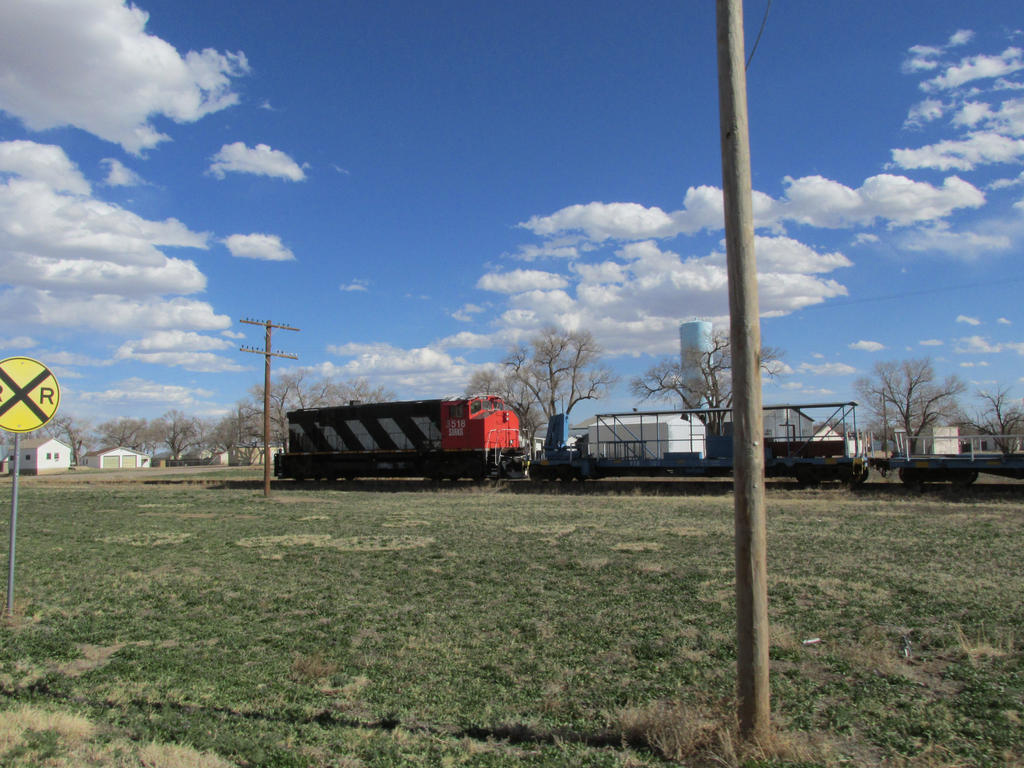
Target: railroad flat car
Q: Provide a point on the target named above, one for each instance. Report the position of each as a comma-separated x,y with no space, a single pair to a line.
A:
699,443
438,439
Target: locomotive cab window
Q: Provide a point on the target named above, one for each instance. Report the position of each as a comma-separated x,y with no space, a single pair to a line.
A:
474,407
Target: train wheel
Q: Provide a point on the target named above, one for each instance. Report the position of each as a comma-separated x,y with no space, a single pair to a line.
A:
857,479
807,477
965,479
911,478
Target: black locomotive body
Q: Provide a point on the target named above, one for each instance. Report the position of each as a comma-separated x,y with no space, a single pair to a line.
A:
440,439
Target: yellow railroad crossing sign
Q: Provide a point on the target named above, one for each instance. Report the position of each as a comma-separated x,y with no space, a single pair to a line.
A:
29,394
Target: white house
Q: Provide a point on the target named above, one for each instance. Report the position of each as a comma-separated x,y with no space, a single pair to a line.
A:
43,455
116,458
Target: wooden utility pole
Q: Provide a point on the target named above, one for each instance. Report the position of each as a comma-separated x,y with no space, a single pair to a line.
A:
267,354
753,703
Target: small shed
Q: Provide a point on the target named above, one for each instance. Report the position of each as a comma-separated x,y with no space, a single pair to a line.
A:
116,458
43,455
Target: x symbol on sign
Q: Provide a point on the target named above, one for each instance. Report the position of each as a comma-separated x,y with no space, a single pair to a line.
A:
21,394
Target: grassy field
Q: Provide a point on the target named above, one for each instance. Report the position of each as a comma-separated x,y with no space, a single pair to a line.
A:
175,625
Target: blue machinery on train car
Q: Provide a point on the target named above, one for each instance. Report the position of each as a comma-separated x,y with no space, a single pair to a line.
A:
810,442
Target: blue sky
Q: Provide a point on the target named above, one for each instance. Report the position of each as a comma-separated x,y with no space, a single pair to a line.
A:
416,186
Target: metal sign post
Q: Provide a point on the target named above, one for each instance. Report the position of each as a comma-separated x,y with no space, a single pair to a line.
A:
14,523
29,397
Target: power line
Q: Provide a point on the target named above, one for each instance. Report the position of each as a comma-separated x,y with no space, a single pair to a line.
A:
764,21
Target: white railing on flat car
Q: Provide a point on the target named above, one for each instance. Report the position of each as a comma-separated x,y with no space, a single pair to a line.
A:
974,446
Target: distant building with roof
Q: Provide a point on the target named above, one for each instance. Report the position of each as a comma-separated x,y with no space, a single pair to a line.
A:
116,458
42,456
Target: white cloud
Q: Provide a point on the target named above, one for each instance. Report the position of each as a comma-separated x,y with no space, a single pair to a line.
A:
83,277
466,313
976,68
185,349
1009,118
938,238
258,246
178,341
960,37
359,286
931,343
640,293
968,320
423,370
469,340
75,262
976,345
980,148
199,362
1007,183
922,58
827,369
786,255
17,342
45,210
867,346
971,113
820,202
811,200
109,313
1003,321
119,175
520,280
137,391
45,163
260,160
90,64
548,250
601,221
924,112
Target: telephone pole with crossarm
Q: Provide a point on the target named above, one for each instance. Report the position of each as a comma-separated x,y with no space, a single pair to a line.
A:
267,354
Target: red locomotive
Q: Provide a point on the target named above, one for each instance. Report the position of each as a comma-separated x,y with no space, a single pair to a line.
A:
440,439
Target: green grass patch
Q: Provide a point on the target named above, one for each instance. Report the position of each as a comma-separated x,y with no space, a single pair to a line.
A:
334,628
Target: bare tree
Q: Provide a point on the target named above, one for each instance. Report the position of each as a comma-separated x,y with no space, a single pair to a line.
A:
559,369
700,378
302,389
177,431
1000,416
75,432
907,394
123,433
240,433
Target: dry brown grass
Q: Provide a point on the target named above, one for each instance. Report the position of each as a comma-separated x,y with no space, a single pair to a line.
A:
985,645
173,756
349,544
312,667
701,735
16,722
79,744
